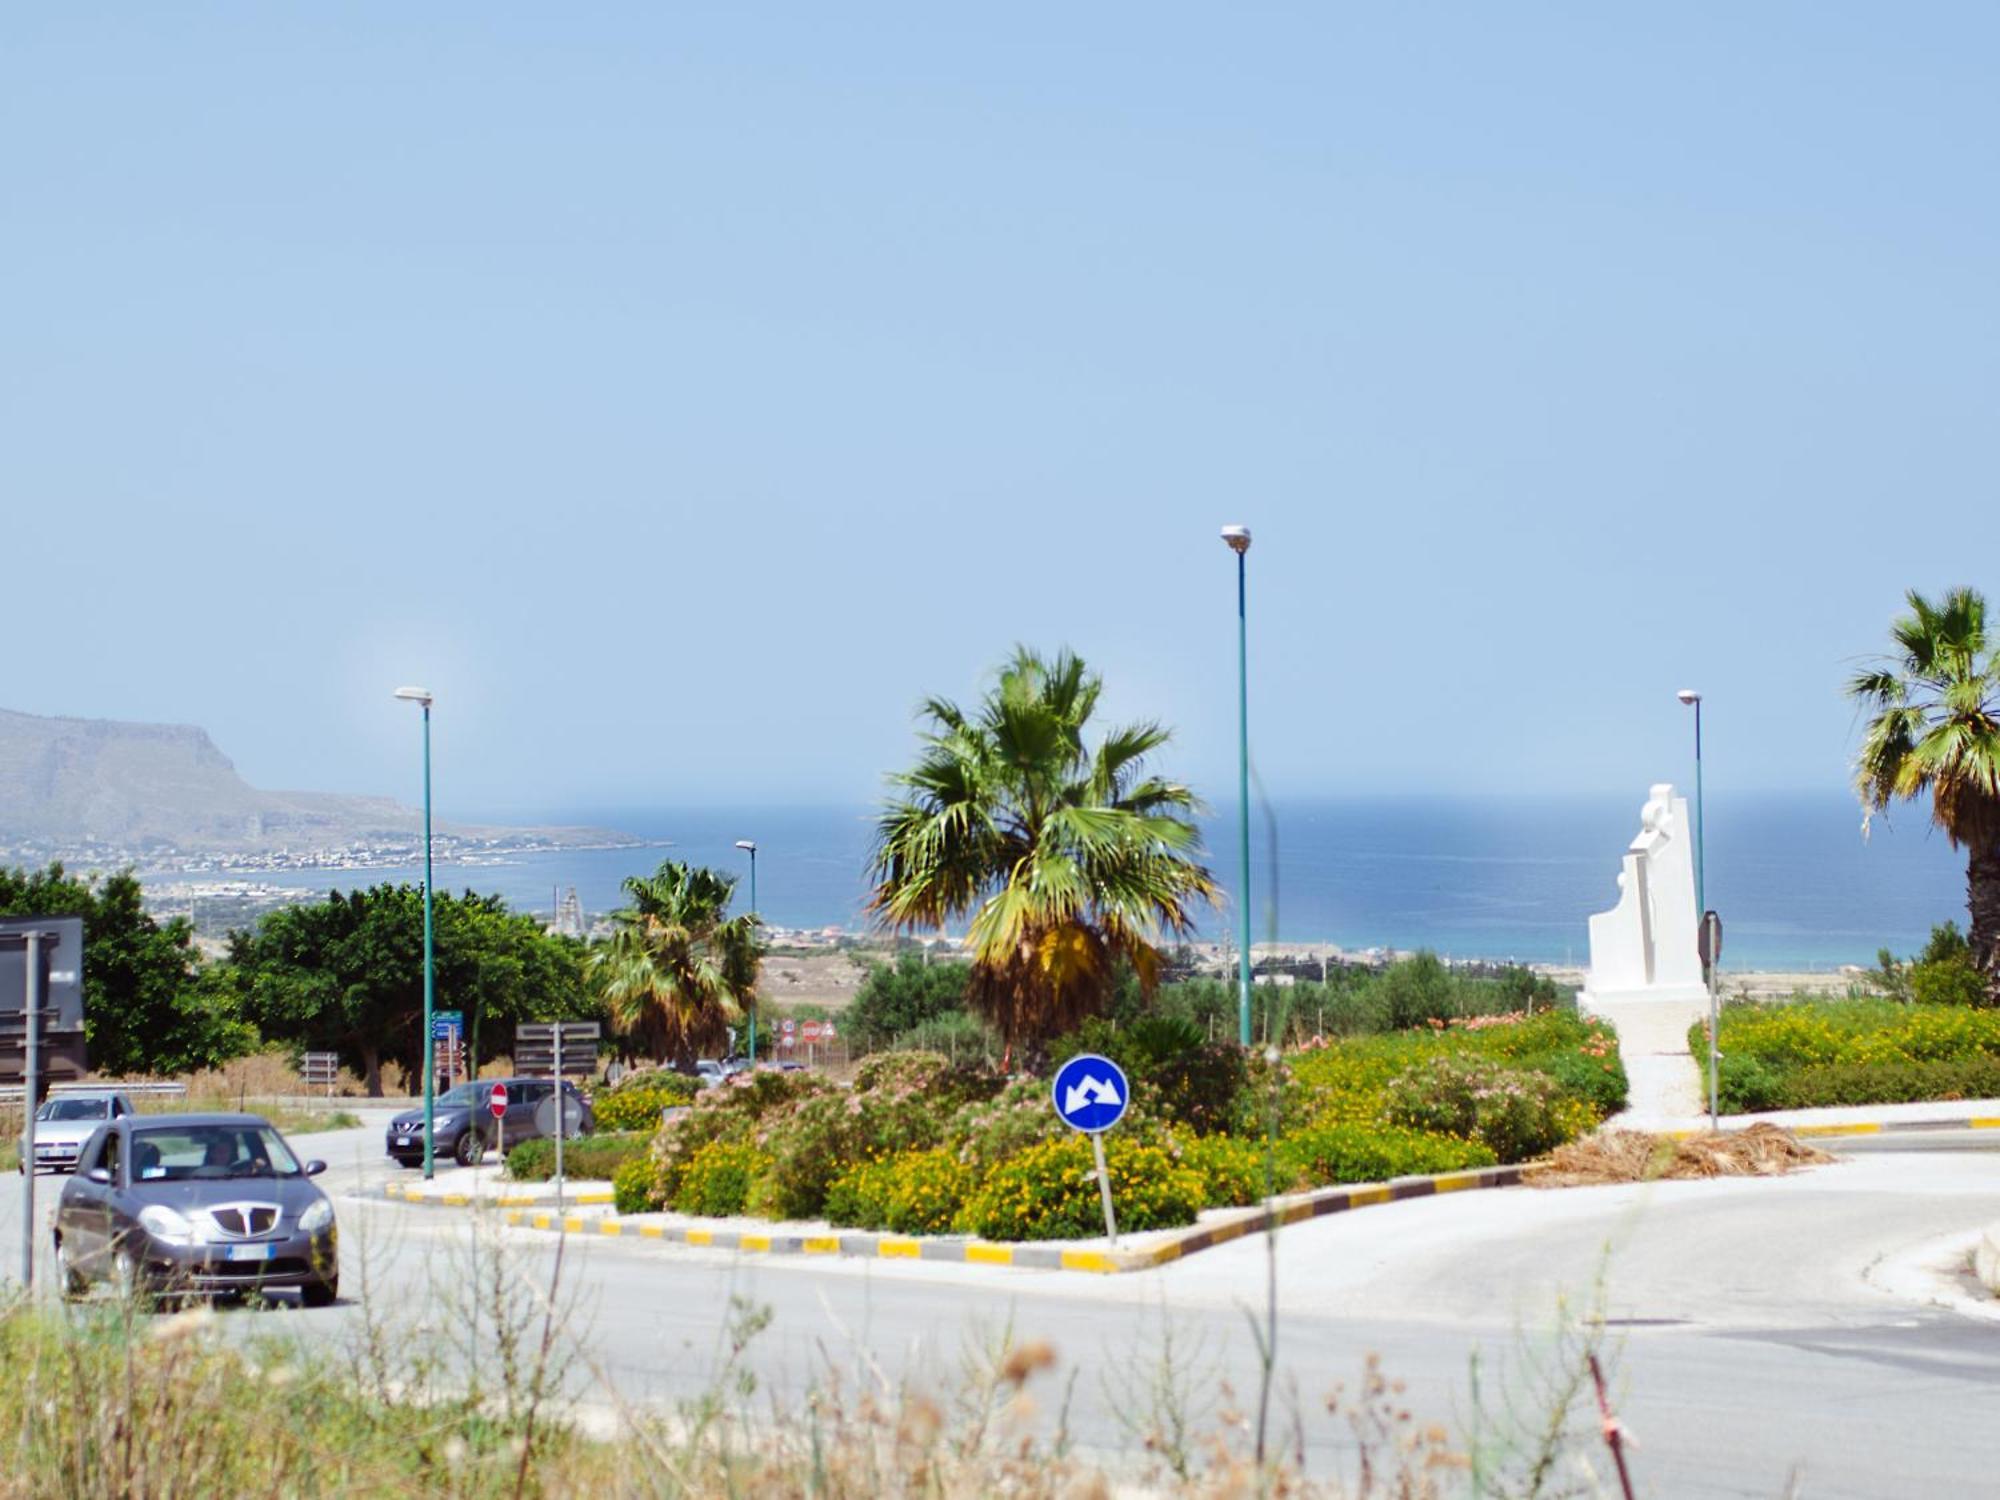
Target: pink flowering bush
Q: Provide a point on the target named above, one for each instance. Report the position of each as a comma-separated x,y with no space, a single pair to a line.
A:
1513,1112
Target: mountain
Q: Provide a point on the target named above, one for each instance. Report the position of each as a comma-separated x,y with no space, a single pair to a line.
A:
157,787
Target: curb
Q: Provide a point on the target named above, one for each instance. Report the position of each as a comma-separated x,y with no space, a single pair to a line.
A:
466,1200
1291,1210
1853,1127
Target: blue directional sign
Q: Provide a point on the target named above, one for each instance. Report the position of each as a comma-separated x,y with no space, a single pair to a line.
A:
447,1024
1091,1093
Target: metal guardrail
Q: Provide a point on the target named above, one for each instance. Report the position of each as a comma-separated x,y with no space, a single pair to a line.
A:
11,1093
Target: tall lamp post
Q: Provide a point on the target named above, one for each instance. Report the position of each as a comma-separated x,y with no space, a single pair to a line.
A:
422,696
1692,699
749,846
1238,540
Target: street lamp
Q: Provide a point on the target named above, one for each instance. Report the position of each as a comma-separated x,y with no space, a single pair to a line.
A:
1238,540
1692,699
423,696
749,846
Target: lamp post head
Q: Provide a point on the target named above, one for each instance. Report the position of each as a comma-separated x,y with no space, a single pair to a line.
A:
415,695
1238,538
1688,696
749,844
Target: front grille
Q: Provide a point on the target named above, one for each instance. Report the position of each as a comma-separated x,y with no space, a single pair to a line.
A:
255,1270
245,1220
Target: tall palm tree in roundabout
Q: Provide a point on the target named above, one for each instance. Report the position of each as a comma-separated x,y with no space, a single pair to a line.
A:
678,968
1066,857
1934,732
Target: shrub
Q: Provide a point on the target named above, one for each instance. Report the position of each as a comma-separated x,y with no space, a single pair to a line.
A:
733,1112
927,1192
992,1130
895,1000
639,1108
1899,1082
1515,1112
1951,981
1336,1152
635,1186
717,1181
594,1157
859,1197
1049,1191
1197,1081
1417,991
1231,1169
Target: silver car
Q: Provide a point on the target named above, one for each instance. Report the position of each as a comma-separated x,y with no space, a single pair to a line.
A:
65,1122
205,1204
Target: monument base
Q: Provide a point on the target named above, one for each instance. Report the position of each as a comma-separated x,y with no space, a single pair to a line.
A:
1600,1002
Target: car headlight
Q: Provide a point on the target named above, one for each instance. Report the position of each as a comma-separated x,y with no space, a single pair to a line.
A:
316,1217
166,1224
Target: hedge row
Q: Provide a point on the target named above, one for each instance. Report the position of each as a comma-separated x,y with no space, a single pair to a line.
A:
919,1145
1811,1053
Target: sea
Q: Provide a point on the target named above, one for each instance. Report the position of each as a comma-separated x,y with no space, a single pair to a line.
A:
1798,885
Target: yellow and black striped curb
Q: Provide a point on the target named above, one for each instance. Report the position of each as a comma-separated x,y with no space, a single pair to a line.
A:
1860,1127
1291,1210
399,1194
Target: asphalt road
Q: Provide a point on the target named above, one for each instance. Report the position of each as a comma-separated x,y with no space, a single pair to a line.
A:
1754,1336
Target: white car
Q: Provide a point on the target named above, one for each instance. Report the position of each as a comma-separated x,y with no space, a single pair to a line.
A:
67,1120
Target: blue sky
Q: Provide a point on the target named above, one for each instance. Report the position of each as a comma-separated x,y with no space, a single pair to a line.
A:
683,392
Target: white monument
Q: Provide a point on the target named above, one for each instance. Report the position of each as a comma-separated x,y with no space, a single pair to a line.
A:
1645,972
1644,947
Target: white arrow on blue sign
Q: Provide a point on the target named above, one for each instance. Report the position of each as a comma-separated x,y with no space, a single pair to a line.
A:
1091,1093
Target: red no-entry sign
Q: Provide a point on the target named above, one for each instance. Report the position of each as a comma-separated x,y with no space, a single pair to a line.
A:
498,1103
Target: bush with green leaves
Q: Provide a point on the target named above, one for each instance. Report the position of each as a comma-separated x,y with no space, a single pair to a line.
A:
894,1000
1232,1169
859,1197
1811,1052
638,1103
734,1111
635,1186
1336,1152
591,1157
718,1179
1516,1112
1049,1191
1197,1082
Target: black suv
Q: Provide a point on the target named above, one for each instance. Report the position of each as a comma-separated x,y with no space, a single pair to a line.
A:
464,1125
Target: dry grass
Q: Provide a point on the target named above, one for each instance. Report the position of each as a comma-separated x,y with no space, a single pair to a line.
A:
1762,1150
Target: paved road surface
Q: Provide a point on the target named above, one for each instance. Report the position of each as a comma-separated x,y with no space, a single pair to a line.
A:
1754,1342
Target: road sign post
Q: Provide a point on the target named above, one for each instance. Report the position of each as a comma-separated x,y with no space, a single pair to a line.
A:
563,1048
497,1104
1709,944
1091,1094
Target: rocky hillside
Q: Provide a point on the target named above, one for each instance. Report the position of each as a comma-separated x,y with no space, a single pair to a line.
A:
150,786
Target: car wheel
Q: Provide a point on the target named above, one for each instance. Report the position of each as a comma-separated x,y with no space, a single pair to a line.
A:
320,1293
468,1149
130,1277
69,1280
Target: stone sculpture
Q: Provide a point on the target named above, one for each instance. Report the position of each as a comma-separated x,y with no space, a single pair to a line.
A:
1643,949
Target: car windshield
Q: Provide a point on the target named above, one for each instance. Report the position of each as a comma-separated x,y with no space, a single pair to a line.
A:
74,1109
183,1153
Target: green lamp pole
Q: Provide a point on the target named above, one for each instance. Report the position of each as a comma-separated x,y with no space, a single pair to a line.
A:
1238,540
750,847
1693,700
422,696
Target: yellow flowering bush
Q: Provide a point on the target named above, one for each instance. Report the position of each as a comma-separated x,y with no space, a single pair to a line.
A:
717,1180
1049,1191
1811,1052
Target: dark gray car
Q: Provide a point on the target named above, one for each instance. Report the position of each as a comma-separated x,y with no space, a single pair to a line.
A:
462,1125
195,1203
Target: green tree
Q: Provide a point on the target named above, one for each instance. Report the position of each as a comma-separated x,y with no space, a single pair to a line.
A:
678,968
1934,732
146,1007
896,998
1066,858
347,974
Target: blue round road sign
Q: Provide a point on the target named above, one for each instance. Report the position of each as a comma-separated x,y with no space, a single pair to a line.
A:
1091,1092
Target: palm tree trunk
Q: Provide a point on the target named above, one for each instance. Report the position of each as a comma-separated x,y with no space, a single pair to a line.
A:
1982,899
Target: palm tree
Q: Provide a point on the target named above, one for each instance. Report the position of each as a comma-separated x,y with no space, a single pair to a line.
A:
678,969
1067,859
1935,732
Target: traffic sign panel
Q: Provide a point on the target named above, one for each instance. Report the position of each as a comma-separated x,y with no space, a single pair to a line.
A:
497,1103
1091,1092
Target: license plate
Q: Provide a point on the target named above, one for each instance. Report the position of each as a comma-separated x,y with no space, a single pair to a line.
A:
249,1252
402,1140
